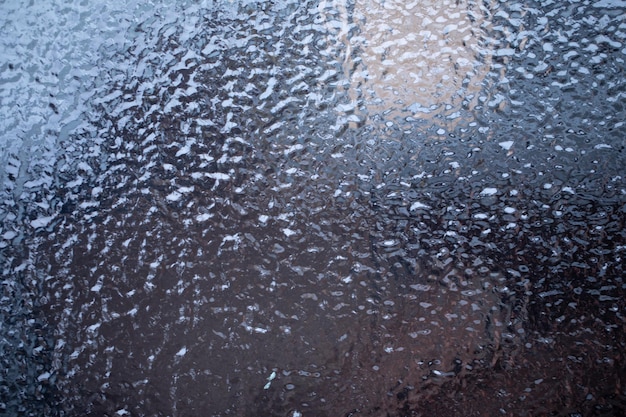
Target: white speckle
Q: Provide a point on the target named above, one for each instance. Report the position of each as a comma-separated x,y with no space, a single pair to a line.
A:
183,151
509,210
569,190
203,217
603,146
218,176
259,330
418,205
186,189
441,132
168,167
288,232
9,235
390,242
97,287
122,412
489,191
609,4
44,377
505,52
182,352
174,196
41,221
93,327
547,186
293,148
548,47
506,145
263,218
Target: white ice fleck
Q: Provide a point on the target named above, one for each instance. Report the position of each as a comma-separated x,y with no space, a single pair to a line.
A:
609,4
218,176
417,205
182,351
505,52
41,221
602,146
510,210
44,377
288,232
93,327
569,190
183,151
293,148
203,217
489,191
9,235
263,218
506,145
174,196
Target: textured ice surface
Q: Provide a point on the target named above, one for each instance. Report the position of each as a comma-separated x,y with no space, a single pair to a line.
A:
387,206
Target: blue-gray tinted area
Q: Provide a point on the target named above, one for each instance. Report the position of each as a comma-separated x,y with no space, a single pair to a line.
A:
307,208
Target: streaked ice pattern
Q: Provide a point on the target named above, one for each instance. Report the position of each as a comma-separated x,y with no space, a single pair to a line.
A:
312,208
